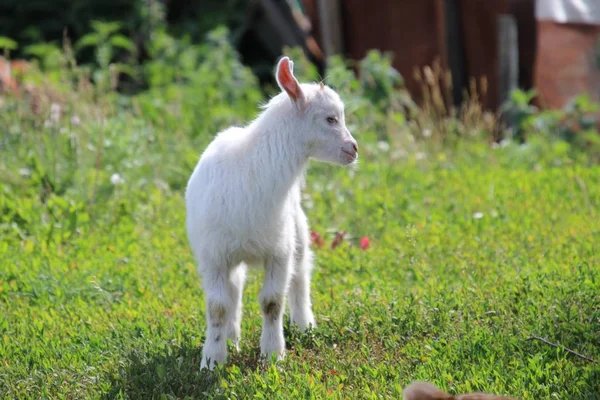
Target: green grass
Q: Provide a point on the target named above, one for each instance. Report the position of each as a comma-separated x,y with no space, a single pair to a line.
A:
473,251
116,311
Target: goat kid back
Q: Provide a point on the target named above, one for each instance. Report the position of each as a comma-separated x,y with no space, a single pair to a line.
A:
243,208
427,391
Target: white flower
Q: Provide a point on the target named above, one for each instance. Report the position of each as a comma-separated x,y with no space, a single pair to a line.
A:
478,215
399,154
75,121
55,112
25,172
383,146
426,132
116,179
161,184
421,156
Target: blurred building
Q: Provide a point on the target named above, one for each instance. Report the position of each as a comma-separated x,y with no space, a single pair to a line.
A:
464,35
549,44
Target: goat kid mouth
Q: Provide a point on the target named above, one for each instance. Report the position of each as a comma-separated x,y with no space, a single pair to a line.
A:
352,156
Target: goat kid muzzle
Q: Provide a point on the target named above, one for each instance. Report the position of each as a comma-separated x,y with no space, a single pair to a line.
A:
351,150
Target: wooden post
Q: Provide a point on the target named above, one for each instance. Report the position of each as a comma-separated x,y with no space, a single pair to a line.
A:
456,50
331,26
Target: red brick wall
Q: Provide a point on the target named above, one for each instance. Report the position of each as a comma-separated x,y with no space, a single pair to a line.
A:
566,63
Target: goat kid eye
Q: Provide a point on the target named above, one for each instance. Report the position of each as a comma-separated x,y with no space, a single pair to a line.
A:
332,120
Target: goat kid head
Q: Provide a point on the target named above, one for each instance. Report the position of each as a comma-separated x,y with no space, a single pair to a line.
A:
324,132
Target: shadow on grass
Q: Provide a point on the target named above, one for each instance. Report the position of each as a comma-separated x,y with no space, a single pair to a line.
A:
174,374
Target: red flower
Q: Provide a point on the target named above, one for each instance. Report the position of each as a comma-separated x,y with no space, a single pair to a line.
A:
316,239
364,243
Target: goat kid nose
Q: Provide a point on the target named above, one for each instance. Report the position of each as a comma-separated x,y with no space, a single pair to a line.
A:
355,146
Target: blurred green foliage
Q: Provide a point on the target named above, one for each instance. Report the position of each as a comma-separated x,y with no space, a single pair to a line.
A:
40,21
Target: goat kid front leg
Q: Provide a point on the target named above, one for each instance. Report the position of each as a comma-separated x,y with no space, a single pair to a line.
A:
301,312
272,303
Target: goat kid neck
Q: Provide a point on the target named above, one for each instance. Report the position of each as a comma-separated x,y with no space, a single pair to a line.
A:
279,155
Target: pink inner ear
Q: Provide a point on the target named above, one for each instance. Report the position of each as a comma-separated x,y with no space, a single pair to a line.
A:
287,80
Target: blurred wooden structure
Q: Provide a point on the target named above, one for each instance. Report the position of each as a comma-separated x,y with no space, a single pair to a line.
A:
462,34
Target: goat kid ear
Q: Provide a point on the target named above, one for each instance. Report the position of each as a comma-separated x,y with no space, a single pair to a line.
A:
288,82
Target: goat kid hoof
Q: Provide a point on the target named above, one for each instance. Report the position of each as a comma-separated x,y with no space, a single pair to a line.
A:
273,357
208,364
304,325
235,346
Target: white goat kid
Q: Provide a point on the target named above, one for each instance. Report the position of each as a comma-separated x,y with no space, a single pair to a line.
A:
243,208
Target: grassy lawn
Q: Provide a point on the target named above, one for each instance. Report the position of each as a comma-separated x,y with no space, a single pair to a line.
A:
475,254
467,259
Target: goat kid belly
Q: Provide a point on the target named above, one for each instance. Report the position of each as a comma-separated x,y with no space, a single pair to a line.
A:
254,243
241,232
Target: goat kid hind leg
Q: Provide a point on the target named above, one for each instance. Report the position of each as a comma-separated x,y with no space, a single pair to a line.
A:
272,302
238,277
299,302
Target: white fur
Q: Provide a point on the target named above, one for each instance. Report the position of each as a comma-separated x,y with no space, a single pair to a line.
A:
243,208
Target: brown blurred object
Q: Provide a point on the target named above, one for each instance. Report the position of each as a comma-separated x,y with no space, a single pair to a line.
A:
37,96
566,63
427,391
9,73
7,82
338,239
